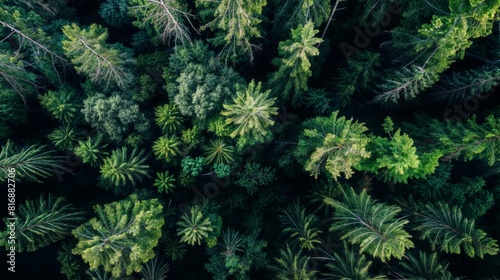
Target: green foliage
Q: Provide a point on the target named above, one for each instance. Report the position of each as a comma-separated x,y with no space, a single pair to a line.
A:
32,163
186,180
193,226
448,231
93,57
41,222
424,266
168,118
191,137
301,227
166,148
470,139
122,237
333,143
219,152
174,249
12,109
293,64
115,12
70,264
155,269
192,166
371,224
348,264
63,104
293,265
251,113
222,170
64,137
235,22
164,182
165,20
115,116
123,168
92,151
255,175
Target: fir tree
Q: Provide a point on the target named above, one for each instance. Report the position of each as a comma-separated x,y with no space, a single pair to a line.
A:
64,104
193,226
122,168
93,150
166,148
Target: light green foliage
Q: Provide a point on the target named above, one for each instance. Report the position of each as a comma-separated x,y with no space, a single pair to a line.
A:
123,168
32,163
470,139
166,147
251,113
348,264
219,126
293,64
41,222
115,12
293,265
255,175
467,193
333,143
100,274
174,249
155,269
299,226
447,230
93,57
115,116
65,137
290,13
165,20
15,77
164,182
93,150
64,104
236,24
168,118
219,152
424,266
191,137
192,166
222,170
122,236
371,224
193,226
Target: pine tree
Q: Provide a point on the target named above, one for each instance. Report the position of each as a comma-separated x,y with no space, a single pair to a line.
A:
122,236
333,143
424,266
166,148
155,269
255,175
164,182
168,19
93,150
41,222
122,168
293,265
251,113
236,24
219,152
293,64
93,57
299,226
371,224
64,104
168,118
32,163
174,249
65,137
193,226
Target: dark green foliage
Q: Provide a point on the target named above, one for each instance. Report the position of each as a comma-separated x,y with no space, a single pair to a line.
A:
166,148
63,104
222,170
373,225
424,266
449,231
192,166
219,152
292,264
255,175
193,226
70,264
124,168
155,269
122,236
334,143
164,182
93,150
168,118
12,109
174,249
65,137
42,222
32,163
299,226
114,116
191,137
115,12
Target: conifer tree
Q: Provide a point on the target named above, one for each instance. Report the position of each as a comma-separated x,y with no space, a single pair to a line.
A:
168,118
93,150
371,224
218,151
93,57
424,266
334,143
122,236
293,265
122,168
64,104
299,226
41,222
166,148
193,227
293,63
